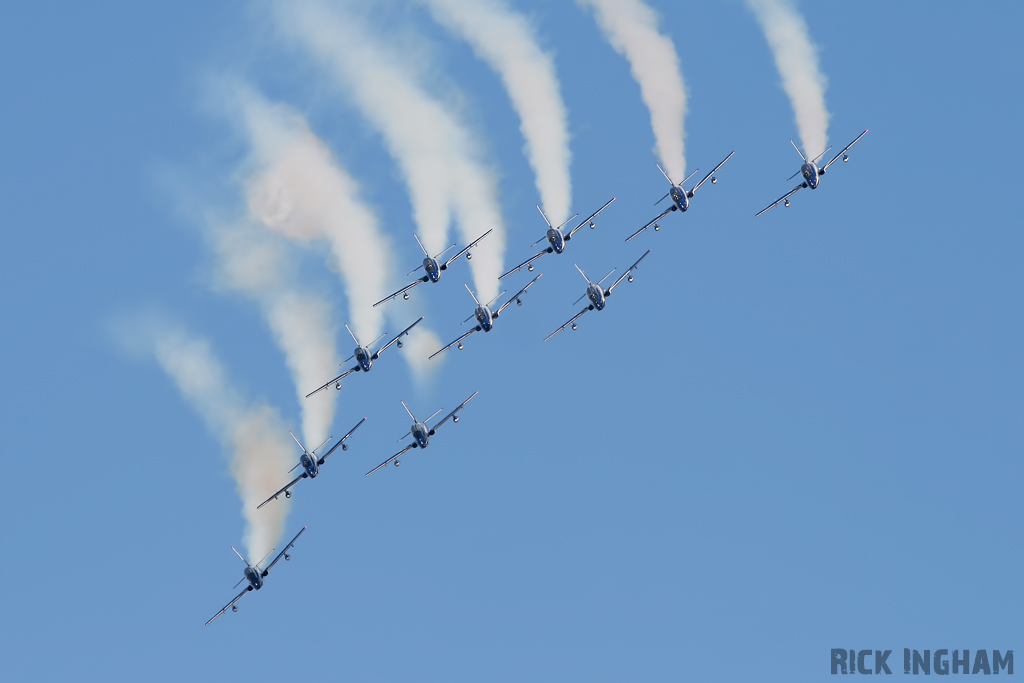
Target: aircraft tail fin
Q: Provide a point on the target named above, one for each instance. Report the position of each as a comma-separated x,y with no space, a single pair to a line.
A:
544,216
409,411
664,174
297,441
798,150
421,244
475,300
583,274
240,556
352,334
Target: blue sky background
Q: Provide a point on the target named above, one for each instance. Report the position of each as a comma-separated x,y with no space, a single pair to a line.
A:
788,434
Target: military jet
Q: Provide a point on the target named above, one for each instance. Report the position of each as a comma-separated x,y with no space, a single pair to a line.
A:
596,294
420,433
556,239
254,575
364,359
310,463
680,195
432,267
810,172
484,317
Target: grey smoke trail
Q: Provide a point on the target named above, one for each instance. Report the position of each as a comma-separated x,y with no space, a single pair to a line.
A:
797,62
632,29
296,188
437,153
254,436
506,41
253,262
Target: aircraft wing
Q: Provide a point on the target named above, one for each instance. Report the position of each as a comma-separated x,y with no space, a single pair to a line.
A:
660,216
713,171
469,246
587,221
436,353
229,605
452,414
281,554
403,290
524,263
292,483
336,379
626,274
571,321
393,457
780,199
397,337
340,442
845,150
516,296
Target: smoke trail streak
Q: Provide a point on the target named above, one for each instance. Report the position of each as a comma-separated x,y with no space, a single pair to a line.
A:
631,28
299,190
797,62
506,41
437,154
254,262
253,436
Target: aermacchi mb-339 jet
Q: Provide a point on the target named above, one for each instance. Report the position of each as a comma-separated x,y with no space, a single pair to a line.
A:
254,575
556,239
421,433
680,195
810,172
310,463
484,316
432,267
596,294
364,359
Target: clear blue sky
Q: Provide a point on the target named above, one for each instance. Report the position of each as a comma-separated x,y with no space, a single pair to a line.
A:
789,434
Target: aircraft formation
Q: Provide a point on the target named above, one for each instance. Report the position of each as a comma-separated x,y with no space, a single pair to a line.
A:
485,317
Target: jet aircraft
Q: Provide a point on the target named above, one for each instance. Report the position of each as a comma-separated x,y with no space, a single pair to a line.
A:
680,195
484,317
254,575
310,463
433,267
810,172
364,359
556,239
596,294
420,433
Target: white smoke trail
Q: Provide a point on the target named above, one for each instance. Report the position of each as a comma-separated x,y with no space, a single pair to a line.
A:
631,27
797,62
437,153
255,263
253,436
506,41
299,190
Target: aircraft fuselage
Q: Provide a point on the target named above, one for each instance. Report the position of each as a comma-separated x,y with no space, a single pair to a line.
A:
557,240
310,465
254,577
364,358
811,175
596,296
679,198
421,434
484,318
432,268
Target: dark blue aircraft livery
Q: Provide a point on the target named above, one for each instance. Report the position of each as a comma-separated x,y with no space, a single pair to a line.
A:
556,239
596,295
310,463
254,575
364,358
432,267
680,195
810,172
484,316
421,433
